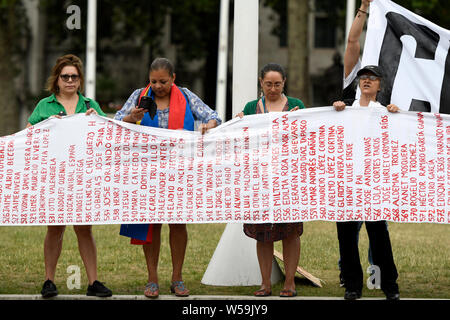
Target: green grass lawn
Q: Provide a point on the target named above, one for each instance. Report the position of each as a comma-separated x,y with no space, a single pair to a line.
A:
421,253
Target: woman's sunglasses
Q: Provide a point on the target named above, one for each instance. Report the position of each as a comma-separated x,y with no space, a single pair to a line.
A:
66,77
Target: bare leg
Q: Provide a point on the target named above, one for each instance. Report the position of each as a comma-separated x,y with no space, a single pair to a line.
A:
151,252
291,256
264,250
178,243
88,250
52,250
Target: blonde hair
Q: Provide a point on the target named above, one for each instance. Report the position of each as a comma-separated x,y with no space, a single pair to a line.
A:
61,62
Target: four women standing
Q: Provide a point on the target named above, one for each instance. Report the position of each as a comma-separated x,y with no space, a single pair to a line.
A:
179,108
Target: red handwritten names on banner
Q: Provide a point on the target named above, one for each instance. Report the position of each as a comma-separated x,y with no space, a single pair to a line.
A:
290,169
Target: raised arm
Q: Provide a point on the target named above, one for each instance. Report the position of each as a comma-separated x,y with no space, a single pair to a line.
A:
353,49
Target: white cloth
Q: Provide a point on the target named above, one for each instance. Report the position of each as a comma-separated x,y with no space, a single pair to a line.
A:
413,54
235,263
352,75
372,104
311,164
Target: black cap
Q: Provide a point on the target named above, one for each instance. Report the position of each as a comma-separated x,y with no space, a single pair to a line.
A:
376,70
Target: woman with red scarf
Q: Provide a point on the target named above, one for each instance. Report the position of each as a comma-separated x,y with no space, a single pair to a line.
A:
176,108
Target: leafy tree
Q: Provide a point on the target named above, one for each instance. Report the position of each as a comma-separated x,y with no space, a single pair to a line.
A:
14,35
133,24
140,24
297,41
436,11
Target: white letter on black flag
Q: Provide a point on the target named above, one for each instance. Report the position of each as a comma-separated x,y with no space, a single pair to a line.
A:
414,55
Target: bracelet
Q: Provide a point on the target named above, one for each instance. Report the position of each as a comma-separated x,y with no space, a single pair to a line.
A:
359,10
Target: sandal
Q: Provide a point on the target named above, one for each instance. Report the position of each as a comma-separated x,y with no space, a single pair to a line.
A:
287,293
151,290
179,289
262,293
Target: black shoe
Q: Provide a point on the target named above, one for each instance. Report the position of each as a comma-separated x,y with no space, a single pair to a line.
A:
392,296
352,295
49,289
99,290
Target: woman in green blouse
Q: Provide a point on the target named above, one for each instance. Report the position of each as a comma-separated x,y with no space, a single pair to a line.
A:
272,80
65,84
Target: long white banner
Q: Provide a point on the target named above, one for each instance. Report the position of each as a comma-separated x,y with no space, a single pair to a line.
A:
314,164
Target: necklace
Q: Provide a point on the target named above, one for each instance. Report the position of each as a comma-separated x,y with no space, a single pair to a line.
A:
267,107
